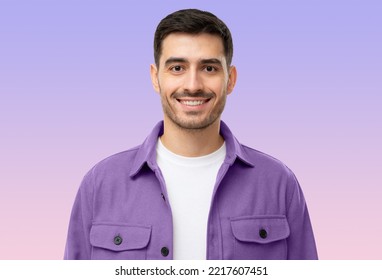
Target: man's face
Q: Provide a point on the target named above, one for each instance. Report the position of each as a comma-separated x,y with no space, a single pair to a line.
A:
193,79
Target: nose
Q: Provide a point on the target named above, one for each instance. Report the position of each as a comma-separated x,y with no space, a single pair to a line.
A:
193,82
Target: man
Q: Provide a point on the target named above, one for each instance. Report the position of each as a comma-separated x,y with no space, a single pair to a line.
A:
191,190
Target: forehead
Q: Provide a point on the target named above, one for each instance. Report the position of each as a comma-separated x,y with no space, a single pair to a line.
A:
192,46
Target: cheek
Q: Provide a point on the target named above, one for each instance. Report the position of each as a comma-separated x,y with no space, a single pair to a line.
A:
219,90
168,86
217,84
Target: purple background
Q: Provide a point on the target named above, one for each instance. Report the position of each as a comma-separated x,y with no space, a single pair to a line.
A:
75,88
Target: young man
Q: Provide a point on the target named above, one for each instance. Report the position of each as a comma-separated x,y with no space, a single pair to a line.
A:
191,190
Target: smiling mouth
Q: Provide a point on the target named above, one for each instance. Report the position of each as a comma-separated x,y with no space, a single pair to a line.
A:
193,102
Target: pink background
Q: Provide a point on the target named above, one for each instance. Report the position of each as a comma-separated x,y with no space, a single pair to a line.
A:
75,88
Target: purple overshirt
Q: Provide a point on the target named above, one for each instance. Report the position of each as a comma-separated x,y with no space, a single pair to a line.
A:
257,211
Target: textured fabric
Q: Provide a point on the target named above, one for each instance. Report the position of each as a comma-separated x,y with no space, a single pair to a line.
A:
122,211
189,182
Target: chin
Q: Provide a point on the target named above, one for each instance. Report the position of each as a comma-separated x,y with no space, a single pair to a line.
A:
195,125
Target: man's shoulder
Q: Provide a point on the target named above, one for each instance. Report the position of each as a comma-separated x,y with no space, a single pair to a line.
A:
265,161
121,161
271,171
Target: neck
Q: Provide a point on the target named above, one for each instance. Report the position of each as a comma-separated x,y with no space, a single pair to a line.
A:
192,142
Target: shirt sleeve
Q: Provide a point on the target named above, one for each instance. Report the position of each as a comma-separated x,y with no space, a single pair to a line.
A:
301,242
78,244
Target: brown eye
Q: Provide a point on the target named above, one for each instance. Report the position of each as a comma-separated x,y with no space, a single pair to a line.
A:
177,68
210,68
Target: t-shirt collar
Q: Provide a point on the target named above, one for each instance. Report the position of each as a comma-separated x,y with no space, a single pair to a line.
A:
147,151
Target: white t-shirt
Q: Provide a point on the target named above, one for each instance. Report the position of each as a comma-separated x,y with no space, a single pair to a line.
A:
190,182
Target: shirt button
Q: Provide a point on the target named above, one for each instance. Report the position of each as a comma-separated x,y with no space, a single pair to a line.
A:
117,240
164,251
263,233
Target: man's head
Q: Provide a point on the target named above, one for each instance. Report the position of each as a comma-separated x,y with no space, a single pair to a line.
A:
192,72
192,21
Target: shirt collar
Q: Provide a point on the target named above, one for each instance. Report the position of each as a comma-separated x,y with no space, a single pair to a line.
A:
147,151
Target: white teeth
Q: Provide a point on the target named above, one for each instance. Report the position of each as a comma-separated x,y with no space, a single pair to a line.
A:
193,102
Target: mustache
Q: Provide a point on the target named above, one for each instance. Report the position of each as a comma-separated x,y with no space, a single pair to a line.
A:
198,94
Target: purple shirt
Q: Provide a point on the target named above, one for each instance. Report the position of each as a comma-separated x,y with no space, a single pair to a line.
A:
257,209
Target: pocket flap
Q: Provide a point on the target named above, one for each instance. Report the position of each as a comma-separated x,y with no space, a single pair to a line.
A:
119,237
260,229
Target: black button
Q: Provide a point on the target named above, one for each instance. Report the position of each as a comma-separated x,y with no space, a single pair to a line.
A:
117,240
263,233
165,251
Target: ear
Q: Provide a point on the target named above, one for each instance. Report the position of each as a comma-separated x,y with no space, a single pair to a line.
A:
154,77
232,76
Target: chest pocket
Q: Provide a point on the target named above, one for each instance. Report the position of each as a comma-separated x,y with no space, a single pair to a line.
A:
260,237
119,241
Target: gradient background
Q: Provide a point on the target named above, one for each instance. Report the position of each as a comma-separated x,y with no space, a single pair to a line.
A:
75,88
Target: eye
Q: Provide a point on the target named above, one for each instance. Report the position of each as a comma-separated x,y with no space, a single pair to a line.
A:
176,68
210,68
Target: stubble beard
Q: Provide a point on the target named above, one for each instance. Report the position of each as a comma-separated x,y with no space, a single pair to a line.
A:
191,122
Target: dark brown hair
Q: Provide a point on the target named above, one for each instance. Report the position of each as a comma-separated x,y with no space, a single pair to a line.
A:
192,21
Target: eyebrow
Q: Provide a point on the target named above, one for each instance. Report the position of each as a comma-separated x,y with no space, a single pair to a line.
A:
211,61
172,60
183,60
